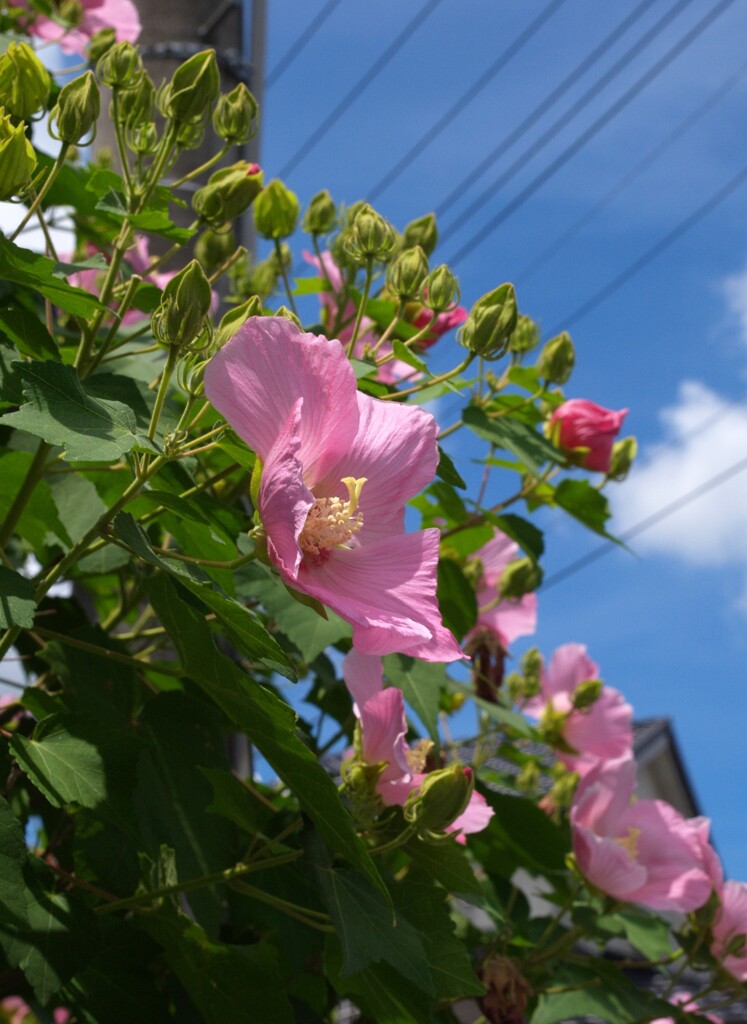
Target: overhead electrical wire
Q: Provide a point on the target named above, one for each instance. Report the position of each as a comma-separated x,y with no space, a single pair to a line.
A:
458,106
635,172
360,86
612,111
300,43
555,95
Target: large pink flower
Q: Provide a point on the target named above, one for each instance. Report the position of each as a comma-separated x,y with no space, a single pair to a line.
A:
121,15
338,467
640,851
509,618
579,423
600,732
730,923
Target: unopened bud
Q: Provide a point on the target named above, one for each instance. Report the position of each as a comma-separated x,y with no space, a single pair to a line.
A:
120,67
586,694
100,43
526,335
24,82
17,158
529,777
193,88
228,193
320,215
70,12
137,104
443,795
288,314
77,109
520,577
422,232
491,322
352,211
622,458
143,138
236,116
563,790
531,667
552,727
236,318
213,248
450,703
441,290
406,274
371,236
276,211
557,359
185,303
338,247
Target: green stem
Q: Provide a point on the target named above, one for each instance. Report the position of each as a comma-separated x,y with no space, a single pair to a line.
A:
235,255
121,148
301,914
89,333
394,843
171,361
450,430
284,275
104,652
33,476
54,171
235,563
361,306
124,305
411,342
432,381
202,168
390,329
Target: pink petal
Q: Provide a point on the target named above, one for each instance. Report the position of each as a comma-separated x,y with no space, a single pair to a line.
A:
569,666
731,920
605,730
363,675
475,817
495,556
606,864
604,794
510,618
396,793
383,731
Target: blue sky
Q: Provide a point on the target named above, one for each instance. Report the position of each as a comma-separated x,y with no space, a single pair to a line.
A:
668,625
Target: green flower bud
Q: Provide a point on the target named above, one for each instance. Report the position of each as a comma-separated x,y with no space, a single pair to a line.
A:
422,232
551,727
190,134
120,67
443,795
70,12
531,667
236,116
213,248
522,576
77,109
352,211
257,279
526,335
180,317
441,292
276,211
529,777
143,138
17,158
288,314
556,360
405,275
491,322
623,457
137,104
100,43
320,215
338,246
563,790
586,694
193,88
371,236
236,318
228,193
25,83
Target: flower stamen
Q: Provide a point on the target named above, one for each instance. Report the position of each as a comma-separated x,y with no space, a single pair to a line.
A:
332,522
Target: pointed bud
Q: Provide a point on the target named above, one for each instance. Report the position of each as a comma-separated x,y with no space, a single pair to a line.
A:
623,457
288,314
120,67
25,83
520,577
371,236
491,322
77,109
586,694
529,777
137,104
557,359
443,795
181,315
276,211
531,666
422,232
17,158
441,290
228,193
320,215
236,318
406,274
193,88
526,335
235,119
143,138
213,248
100,43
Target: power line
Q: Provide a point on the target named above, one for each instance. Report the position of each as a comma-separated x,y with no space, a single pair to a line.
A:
301,43
553,97
655,250
456,108
682,128
360,86
592,130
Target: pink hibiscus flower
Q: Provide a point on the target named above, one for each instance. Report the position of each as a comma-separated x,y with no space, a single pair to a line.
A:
338,469
383,728
640,851
121,15
600,732
509,618
579,423
686,1001
139,260
730,923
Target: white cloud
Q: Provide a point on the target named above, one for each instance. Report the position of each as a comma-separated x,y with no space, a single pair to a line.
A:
734,290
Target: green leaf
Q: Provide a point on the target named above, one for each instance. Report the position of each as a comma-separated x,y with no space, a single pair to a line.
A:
13,854
32,270
456,598
154,217
17,602
526,534
59,410
310,285
448,471
406,355
382,993
27,332
39,522
420,682
521,835
268,722
651,935
77,502
507,718
514,436
585,503
232,800
448,864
